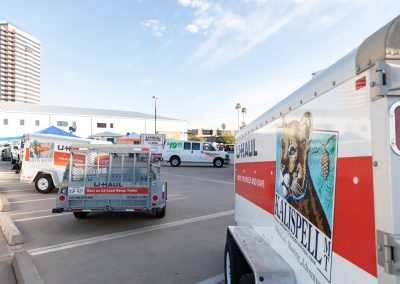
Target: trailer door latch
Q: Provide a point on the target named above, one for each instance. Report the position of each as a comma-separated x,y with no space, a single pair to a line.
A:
389,252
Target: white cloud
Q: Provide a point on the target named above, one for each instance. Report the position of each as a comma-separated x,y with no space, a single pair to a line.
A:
155,26
192,28
232,31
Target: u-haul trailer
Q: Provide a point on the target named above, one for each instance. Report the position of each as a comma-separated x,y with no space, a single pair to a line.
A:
317,188
45,157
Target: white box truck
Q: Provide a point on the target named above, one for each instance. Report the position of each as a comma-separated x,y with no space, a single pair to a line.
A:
317,191
45,159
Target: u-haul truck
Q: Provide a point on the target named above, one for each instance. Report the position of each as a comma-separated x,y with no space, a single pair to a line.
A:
45,157
317,187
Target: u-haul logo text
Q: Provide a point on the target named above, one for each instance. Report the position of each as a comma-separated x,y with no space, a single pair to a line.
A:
246,149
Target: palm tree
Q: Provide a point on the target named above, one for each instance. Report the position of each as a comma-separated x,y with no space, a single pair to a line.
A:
238,107
244,111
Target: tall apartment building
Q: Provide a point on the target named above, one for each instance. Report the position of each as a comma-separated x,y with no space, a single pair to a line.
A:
19,65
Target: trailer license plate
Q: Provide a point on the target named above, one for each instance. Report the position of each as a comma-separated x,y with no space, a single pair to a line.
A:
76,191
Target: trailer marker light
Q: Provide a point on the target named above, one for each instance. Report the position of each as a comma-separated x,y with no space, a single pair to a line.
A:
163,195
154,197
61,198
361,83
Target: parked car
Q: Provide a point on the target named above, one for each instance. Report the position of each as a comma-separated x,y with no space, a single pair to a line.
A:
6,153
15,154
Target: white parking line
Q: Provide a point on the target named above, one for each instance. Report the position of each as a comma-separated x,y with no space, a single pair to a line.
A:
31,200
89,241
22,195
206,179
30,212
42,217
213,280
15,190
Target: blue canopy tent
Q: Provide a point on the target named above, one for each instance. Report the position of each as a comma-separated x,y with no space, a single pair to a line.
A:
56,131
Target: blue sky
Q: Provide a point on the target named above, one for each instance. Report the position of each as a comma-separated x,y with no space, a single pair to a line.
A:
199,57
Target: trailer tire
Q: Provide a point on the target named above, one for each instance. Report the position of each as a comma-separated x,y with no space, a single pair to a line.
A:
247,278
234,262
161,214
80,215
218,162
175,161
44,184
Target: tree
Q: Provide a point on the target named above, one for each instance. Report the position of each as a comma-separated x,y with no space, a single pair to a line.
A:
244,111
223,125
238,107
194,138
227,138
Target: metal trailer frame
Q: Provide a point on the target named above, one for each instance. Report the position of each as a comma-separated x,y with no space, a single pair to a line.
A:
379,55
117,158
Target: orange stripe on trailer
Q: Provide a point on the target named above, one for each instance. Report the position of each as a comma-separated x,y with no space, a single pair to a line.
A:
27,154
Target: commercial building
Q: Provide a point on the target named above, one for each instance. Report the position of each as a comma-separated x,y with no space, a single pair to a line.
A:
17,119
210,135
19,65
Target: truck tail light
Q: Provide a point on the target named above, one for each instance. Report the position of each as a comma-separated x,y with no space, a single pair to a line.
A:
163,195
61,198
394,123
154,197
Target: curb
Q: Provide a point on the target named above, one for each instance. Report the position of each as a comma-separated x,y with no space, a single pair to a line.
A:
25,270
11,233
4,204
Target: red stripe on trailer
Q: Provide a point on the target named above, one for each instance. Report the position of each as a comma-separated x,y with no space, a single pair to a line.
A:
116,190
354,221
256,182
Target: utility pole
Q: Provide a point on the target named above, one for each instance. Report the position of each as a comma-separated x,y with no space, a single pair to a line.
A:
155,114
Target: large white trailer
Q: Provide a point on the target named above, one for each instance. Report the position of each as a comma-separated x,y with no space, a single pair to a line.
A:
45,157
317,188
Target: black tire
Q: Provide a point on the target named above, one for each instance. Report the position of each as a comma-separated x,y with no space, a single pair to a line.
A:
44,184
247,278
218,162
237,263
80,215
175,161
161,214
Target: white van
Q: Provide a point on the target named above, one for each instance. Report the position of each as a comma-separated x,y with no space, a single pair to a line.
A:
45,157
178,151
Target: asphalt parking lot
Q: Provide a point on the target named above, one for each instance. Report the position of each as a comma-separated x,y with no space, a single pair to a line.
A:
184,247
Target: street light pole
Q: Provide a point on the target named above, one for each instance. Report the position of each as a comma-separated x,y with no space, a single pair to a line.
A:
155,114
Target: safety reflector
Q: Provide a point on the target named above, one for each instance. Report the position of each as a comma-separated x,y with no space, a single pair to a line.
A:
61,198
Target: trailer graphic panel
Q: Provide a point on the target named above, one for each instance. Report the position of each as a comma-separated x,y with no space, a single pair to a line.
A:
41,151
305,192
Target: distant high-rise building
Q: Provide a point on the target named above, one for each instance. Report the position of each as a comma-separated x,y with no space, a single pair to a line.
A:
19,65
